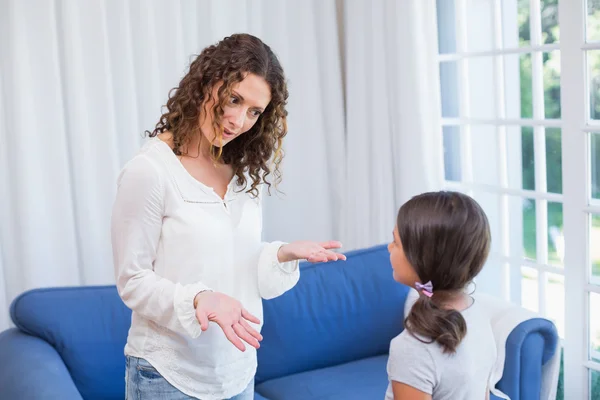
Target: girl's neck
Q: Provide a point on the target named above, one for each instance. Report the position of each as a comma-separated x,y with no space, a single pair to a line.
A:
457,300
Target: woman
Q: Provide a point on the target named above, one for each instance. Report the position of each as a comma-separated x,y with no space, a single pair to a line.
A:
187,223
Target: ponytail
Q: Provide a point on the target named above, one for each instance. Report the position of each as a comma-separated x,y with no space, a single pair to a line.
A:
427,319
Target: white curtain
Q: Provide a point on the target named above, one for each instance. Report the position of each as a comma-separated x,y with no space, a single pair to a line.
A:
394,139
81,81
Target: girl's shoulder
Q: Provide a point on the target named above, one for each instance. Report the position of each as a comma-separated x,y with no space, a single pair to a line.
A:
407,342
413,357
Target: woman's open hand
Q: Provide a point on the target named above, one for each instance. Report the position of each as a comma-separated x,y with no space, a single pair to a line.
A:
310,251
229,314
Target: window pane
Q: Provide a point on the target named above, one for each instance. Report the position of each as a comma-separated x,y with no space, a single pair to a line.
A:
550,30
526,86
514,158
490,203
551,84
594,385
549,18
517,86
516,226
446,26
594,327
556,239
449,89
555,301
521,158
523,17
510,24
593,61
555,244
529,289
485,163
521,228
452,167
529,229
595,165
560,390
480,25
553,160
528,159
489,280
593,21
595,249
482,90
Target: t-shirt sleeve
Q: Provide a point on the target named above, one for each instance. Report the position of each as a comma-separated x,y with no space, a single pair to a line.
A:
411,363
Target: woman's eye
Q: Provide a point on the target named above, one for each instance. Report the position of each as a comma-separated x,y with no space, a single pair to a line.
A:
256,113
234,100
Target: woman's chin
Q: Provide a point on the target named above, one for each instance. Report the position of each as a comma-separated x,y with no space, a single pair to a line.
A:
222,142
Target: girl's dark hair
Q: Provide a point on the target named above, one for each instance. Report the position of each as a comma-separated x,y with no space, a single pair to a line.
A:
228,62
446,239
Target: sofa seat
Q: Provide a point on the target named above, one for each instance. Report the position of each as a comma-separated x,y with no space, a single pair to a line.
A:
362,379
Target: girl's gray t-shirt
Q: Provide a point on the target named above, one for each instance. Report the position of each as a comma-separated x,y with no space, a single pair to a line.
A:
463,375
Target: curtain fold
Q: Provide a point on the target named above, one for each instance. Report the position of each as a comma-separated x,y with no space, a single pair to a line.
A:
393,135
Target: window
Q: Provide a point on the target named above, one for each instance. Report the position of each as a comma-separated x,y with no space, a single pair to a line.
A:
520,90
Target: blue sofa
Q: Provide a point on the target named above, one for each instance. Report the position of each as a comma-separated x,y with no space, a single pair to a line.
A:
327,338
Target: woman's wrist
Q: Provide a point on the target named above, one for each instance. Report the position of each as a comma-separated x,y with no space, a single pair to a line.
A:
283,255
196,298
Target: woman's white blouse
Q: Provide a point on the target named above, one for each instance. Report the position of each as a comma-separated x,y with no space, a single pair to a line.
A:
174,237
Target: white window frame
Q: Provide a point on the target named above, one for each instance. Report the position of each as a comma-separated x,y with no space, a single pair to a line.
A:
577,204
575,197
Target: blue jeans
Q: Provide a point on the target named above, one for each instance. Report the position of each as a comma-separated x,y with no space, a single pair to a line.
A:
143,382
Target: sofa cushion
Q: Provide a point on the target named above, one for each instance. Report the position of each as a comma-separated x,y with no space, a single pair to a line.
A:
363,379
337,313
88,327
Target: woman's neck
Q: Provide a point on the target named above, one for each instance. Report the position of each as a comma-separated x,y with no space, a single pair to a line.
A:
198,147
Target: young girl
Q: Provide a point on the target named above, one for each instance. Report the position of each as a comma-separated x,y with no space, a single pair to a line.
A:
187,224
447,350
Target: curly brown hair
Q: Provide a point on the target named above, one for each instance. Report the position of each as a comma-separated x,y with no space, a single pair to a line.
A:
228,62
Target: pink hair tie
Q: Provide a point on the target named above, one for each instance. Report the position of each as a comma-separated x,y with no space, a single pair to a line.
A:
426,289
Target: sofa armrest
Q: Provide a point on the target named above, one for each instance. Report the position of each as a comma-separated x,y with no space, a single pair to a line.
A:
530,345
32,369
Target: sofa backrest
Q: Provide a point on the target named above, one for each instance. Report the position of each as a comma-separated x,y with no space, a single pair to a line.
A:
88,327
338,312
